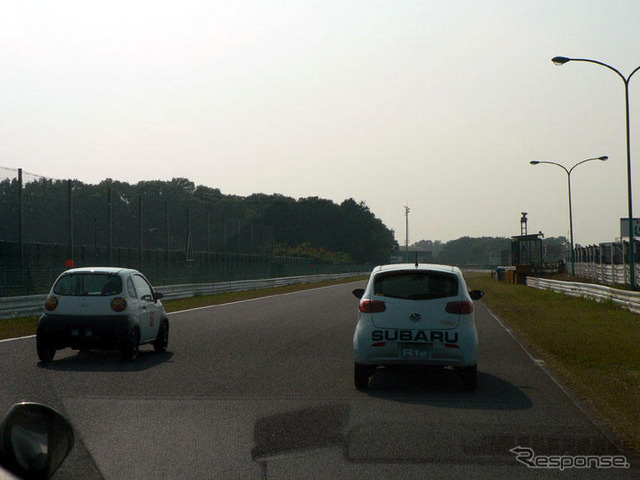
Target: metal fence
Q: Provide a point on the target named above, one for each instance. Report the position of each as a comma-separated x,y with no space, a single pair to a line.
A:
49,225
45,262
605,274
605,263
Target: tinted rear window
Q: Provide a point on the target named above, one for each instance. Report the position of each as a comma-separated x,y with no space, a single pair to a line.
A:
416,285
94,284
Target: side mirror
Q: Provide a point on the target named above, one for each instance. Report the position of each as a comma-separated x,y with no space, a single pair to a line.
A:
476,294
34,440
358,292
157,296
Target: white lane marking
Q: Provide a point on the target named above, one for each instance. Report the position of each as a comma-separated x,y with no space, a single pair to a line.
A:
537,361
17,338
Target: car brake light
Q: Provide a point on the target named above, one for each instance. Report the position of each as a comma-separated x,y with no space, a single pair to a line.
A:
371,306
461,308
118,304
51,303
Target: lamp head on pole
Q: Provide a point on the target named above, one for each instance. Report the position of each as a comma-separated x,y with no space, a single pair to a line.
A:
534,162
560,60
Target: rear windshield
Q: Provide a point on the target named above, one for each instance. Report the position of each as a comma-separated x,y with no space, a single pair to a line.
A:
416,285
83,284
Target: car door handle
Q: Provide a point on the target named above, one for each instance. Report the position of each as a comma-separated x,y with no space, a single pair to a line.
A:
415,317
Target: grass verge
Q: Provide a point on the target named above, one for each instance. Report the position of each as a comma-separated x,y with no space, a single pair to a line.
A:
24,326
206,300
591,347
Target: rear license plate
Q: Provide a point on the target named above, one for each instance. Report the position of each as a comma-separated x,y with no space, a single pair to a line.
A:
415,350
81,332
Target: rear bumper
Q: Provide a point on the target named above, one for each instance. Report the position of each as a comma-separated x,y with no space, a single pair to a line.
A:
404,356
87,332
460,350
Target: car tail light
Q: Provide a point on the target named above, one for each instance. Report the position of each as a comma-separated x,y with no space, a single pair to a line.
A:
461,308
118,304
371,306
51,303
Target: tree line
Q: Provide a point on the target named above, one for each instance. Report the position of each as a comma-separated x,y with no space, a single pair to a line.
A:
485,250
178,214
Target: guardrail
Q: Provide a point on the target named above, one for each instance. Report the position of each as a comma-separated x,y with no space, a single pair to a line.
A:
625,298
14,307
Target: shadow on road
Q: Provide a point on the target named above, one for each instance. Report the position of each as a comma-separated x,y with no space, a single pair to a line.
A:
106,361
331,432
444,388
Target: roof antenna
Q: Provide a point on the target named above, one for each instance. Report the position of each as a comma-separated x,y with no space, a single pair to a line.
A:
416,258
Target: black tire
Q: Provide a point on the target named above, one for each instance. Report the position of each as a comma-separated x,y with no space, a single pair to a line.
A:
361,376
162,340
45,351
131,345
470,378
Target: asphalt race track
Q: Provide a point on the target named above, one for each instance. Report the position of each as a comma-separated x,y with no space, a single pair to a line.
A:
264,389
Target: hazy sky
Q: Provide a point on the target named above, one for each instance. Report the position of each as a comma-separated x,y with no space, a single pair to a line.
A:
438,105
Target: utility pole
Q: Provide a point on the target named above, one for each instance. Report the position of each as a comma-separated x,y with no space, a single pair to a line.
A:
140,229
110,225
208,232
70,261
406,229
21,225
166,225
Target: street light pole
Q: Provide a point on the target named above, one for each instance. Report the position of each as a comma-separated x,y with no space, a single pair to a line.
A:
625,80
568,172
406,231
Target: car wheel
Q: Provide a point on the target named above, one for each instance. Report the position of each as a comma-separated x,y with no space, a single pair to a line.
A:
162,340
45,352
361,376
132,345
470,378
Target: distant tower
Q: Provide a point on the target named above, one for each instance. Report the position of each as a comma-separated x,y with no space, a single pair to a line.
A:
523,224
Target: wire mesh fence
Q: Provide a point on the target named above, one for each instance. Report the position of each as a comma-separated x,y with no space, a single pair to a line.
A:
48,225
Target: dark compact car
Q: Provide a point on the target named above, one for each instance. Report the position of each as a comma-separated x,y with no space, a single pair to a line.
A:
102,308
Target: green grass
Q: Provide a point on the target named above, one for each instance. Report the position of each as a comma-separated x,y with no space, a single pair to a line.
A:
205,300
24,326
18,327
593,348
